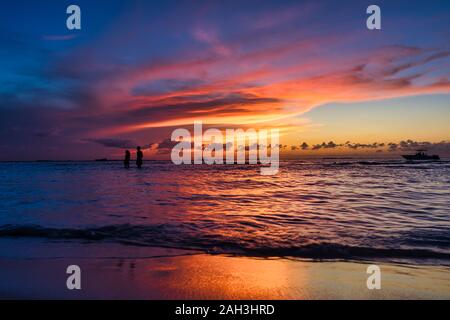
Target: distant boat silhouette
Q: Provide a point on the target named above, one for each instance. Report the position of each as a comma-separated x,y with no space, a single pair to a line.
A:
420,155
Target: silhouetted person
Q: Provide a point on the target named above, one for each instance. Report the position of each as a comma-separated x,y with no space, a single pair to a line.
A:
139,157
126,161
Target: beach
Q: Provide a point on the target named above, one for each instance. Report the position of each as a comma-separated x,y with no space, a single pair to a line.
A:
292,150
207,232
173,274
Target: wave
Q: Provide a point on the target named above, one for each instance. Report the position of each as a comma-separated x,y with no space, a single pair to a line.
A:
389,163
170,236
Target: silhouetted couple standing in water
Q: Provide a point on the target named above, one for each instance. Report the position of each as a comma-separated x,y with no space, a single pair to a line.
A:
139,158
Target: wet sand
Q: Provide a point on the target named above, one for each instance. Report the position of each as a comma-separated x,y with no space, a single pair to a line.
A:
202,276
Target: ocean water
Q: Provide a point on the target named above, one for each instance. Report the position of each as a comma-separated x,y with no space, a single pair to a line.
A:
313,209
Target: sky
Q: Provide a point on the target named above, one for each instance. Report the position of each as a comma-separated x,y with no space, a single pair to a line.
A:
137,70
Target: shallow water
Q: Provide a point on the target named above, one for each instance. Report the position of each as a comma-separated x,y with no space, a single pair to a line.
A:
321,209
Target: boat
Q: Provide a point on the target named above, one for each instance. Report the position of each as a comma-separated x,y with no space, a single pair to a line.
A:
421,155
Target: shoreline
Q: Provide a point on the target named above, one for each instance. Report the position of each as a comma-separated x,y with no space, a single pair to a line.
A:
182,276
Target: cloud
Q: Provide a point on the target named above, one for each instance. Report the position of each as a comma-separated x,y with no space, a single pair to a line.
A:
114,143
211,38
201,106
259,70
392,146
378,147
363,145
217,146
162,95
412,146
116,99
163,147
162,86
329,145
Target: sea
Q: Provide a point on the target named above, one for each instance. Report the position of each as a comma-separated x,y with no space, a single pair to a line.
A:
321,209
